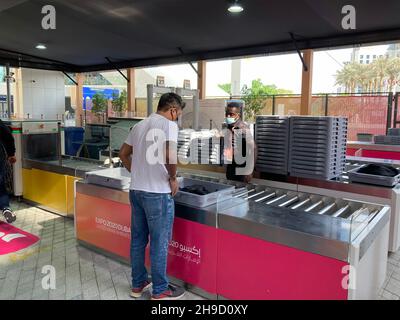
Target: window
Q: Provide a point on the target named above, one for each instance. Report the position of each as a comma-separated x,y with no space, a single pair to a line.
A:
361,61
367,61
367,56
361,56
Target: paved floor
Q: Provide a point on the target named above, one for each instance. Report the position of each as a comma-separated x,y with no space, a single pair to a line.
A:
82,274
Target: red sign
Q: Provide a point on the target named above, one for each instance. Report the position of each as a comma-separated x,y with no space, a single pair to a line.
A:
13,239
105,225
254,269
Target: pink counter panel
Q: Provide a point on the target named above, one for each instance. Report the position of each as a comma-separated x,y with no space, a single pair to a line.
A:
250,268
377,154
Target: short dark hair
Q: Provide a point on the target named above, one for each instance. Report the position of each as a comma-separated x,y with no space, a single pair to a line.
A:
169,100
234,105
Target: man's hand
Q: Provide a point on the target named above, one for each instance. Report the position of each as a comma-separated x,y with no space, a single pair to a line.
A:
12,159
173,182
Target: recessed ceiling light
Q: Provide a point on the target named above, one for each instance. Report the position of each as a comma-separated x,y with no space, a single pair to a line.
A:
41,47
235,7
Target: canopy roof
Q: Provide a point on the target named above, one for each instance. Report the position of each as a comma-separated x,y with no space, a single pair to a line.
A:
134,33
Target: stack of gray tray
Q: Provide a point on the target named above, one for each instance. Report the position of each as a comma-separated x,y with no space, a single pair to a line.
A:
317,147
394,132
272,139
205,150
200,147
184,138
392,140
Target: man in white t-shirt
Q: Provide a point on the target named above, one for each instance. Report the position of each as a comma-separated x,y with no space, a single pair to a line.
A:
150,154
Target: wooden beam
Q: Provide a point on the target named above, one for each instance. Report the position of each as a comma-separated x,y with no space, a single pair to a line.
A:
201,79
79,100
306,83
131,90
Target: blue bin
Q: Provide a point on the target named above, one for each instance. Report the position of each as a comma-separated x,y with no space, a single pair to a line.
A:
73,140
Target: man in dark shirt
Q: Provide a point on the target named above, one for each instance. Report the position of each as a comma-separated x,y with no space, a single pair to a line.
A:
240,147
7,158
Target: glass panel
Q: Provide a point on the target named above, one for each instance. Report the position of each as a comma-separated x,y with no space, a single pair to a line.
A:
359,220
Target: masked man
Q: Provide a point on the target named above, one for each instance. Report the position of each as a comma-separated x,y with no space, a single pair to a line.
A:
239,146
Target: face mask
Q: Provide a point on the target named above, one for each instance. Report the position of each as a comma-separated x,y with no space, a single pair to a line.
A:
230,121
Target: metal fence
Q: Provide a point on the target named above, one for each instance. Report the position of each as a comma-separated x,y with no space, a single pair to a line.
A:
366,112
370,113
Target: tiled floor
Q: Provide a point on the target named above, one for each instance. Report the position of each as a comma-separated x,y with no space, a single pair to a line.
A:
80,273
85,275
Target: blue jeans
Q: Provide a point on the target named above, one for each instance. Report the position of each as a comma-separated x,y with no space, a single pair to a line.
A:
152,215
4,198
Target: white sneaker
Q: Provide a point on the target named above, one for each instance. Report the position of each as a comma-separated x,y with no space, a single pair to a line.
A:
9,215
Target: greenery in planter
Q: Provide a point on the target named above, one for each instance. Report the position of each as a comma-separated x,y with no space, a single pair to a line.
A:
255,97
99,103
120,101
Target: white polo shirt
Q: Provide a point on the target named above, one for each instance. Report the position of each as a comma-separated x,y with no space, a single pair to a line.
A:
148,173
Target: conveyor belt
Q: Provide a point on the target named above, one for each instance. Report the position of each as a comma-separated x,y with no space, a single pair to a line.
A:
298,201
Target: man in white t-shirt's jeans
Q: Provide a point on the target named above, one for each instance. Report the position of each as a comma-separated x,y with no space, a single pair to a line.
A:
150,154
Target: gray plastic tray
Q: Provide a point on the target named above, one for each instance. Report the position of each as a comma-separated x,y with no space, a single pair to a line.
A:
394,132
220,192
117,178
355,176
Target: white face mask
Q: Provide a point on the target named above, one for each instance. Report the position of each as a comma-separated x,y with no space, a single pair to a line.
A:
230,121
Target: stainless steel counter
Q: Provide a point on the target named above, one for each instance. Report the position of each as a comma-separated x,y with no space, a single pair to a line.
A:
70,166
311,232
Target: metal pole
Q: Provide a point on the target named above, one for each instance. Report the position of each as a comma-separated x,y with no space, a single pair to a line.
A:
389,115
59,147
326,104
150,94
196,111
8,79
109,147
396,104
273,105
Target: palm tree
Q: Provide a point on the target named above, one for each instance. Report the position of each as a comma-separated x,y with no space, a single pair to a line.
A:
370,77
393,72
380,66
361,75
347,77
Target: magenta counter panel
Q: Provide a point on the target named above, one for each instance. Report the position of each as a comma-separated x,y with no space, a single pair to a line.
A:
250,268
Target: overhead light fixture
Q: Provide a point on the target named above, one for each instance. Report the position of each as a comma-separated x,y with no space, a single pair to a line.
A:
41,46
235,7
